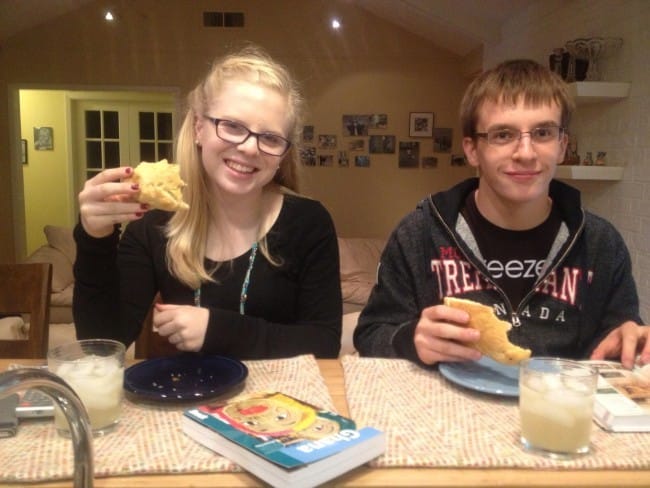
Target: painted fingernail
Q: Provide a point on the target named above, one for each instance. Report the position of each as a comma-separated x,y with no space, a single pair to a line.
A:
135,186
128,170
139,214
144,206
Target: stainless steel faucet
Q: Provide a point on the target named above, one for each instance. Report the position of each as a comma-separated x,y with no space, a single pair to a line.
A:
16,380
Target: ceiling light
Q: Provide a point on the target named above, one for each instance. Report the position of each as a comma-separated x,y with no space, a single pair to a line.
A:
336,24
108,16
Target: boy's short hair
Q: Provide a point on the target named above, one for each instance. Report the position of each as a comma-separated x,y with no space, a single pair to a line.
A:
507,83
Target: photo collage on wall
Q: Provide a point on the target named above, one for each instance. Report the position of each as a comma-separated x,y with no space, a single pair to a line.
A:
364,135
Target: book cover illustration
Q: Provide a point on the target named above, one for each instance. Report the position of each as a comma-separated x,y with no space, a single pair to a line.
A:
280,428
633,384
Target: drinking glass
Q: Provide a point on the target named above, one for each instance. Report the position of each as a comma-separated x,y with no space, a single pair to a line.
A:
556,398
94,369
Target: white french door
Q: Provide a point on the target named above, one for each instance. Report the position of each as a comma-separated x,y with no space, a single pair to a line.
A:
109,134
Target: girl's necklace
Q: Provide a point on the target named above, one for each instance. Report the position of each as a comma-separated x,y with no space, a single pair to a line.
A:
244,287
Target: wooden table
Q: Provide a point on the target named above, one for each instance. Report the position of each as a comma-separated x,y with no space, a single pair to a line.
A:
366,477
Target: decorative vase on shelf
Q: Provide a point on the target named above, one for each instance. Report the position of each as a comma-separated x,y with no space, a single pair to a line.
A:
578,60
598,48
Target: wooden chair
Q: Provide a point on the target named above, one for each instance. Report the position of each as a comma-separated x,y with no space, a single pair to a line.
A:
25,289
149,344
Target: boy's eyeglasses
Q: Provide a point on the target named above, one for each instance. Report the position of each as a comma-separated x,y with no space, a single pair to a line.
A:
236,133
506,136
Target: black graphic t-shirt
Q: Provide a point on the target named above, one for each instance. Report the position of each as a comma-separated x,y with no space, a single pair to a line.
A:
514,258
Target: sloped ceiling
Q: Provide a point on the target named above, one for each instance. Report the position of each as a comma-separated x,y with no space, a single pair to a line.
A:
459,26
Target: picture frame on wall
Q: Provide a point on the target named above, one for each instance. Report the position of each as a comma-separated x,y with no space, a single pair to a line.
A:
421,124
43,138
326,141
23,151
355,125
409,154
308,133
381,144
442,139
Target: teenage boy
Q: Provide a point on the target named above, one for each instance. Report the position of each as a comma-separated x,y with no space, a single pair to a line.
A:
513,238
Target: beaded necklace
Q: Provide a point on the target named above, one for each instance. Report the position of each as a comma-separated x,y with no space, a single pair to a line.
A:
244,287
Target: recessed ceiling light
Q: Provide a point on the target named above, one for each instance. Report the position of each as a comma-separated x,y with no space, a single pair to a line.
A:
336,24
108,16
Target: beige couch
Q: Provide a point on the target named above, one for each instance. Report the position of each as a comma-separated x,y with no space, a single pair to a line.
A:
60,251
359,258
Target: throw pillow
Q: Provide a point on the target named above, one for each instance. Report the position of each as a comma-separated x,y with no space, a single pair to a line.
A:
61,238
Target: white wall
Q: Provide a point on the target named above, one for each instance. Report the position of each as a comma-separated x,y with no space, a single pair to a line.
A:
622,128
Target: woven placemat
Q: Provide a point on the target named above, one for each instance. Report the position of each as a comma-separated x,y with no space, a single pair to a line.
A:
431,422
148,439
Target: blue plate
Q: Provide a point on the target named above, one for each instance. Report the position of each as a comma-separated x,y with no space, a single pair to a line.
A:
484,375
184,378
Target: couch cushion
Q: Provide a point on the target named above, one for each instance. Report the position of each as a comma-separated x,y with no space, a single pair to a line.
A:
63,297
61,238
12,328
62,275
359,259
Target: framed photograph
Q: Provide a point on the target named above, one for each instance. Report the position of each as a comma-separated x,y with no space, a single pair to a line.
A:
308,156
458,160
356,144
43,138
381,144
429,162
343,159
378,121
23,151
362,161
421,124
308,133
326,141
409,154
442,139
325,160
355,125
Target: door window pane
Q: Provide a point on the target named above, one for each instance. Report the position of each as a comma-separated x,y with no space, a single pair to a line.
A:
93,154
164,125
112,154
165,151
93,124
111,125
148,151
147,126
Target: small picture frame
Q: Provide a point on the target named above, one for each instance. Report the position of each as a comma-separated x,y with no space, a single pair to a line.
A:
421,124
43,138
442,140
23,151
409,154
308,133
362,161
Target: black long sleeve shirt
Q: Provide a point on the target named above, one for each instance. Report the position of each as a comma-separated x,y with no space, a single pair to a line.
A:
291,309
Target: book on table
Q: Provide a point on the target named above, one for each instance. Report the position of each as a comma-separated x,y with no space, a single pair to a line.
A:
282,440
622,402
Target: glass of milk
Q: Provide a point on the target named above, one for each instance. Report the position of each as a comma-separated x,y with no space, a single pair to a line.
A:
94,369
556,399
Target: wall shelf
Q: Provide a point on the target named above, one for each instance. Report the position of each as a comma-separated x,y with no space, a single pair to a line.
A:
585,92
570,172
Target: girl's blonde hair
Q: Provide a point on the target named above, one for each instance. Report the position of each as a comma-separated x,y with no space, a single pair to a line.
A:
187,229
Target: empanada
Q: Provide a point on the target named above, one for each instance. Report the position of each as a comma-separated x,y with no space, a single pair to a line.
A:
494,340
160,185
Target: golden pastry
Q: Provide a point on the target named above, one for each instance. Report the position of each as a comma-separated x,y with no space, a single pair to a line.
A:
494,340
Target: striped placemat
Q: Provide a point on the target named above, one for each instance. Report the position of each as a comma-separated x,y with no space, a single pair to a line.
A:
431,422
148,439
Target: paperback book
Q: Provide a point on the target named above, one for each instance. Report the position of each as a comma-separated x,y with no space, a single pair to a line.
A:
622,402
282,440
